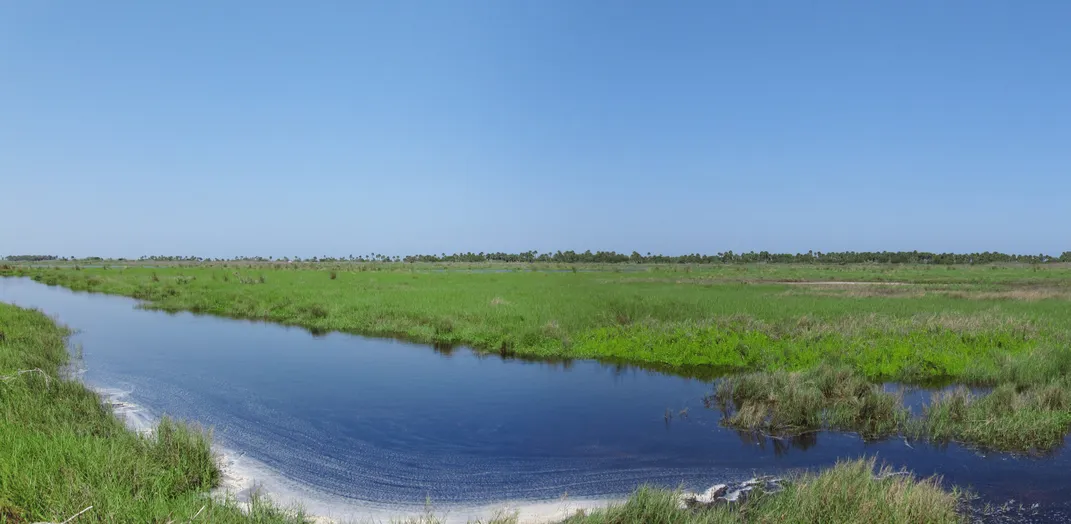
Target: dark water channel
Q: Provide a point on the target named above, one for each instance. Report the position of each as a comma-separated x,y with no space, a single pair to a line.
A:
391,422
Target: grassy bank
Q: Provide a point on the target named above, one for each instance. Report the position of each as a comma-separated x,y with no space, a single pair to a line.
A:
966,324
62,450
849,492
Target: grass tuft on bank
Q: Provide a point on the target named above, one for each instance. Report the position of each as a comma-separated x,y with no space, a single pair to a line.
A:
62,450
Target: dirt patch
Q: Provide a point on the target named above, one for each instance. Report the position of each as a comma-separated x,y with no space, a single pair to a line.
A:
907,290
832,283
707,281
1014,294
858,325
858,290
11,514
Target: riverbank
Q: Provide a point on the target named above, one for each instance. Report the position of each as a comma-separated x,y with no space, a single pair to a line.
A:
849,492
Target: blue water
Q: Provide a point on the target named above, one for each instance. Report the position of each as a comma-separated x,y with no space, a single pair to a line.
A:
392,422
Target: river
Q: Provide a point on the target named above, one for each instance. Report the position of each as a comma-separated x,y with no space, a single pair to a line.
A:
350,422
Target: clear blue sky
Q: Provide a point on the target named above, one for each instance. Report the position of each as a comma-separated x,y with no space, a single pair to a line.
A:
330,128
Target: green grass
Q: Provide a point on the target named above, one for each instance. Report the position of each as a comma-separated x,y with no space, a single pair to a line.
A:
846,493
62,450
959,323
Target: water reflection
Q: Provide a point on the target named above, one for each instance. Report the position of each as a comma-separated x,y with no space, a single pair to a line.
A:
779,446
445,350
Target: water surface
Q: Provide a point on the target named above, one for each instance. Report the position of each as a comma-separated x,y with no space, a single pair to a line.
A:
397,423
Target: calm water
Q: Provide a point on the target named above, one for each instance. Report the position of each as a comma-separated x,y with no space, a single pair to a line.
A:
391,422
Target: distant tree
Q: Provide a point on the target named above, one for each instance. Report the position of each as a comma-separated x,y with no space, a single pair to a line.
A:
31,258
613,257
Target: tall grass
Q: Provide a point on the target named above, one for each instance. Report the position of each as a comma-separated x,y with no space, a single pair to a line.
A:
1034,420
849,492
62,450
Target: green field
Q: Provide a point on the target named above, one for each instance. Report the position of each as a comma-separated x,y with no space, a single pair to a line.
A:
1005,327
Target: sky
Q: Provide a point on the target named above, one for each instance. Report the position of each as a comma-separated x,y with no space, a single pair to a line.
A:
246,128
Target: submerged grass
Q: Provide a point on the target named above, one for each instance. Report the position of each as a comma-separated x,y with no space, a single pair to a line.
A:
849,492
742,318
62,450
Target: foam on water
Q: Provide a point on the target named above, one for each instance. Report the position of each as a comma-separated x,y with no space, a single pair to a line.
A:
135,416
242,476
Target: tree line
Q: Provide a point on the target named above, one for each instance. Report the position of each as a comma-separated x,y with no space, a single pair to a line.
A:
30,258
750,257
613,257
